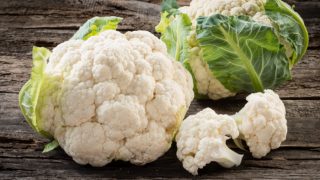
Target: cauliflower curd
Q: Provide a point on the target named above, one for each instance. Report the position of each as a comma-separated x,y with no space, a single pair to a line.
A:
105,96
120,98
253,8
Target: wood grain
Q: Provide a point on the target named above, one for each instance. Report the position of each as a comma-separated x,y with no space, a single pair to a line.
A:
48,23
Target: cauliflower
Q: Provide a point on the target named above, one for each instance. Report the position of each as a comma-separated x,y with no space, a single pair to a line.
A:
262,122
207,83
108,96
233,46
202,139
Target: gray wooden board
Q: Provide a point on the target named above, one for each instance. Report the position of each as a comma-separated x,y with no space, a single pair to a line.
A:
48,23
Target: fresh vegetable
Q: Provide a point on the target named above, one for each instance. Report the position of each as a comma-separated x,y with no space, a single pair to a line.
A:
232,46
202,139
104,95
261,123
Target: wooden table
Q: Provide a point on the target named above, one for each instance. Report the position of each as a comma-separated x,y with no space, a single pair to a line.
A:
24,23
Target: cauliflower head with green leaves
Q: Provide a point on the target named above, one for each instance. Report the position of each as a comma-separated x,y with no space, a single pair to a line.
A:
108,96
233,46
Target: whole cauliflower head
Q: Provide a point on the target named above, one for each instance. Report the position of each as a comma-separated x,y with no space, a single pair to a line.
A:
201,139
233,46
262,122
119,97
206,82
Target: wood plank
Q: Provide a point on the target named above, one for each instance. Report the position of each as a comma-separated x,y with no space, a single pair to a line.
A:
307,8
305,80
72,13
305,83
302,115
71,6
48,23
32,148
50,31
57,164
136,13
23,158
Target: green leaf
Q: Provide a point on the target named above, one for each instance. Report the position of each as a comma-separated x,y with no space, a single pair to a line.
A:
175,37
30,92
290,26
50,146
242,54
96,25
175,31
170,6
164,22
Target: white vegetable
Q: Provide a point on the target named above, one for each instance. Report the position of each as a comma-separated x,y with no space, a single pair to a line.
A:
121,98
233,46
107,96
202,139
206,81
262,122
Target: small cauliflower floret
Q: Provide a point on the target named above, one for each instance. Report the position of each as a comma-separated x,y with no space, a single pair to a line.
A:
262,122
120,96
202,139
64,57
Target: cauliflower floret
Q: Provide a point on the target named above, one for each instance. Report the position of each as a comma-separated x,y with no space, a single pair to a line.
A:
202,139
262,122
88,143
145,146
119,97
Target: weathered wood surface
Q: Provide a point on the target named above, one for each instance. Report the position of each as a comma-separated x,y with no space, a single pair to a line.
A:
48,23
